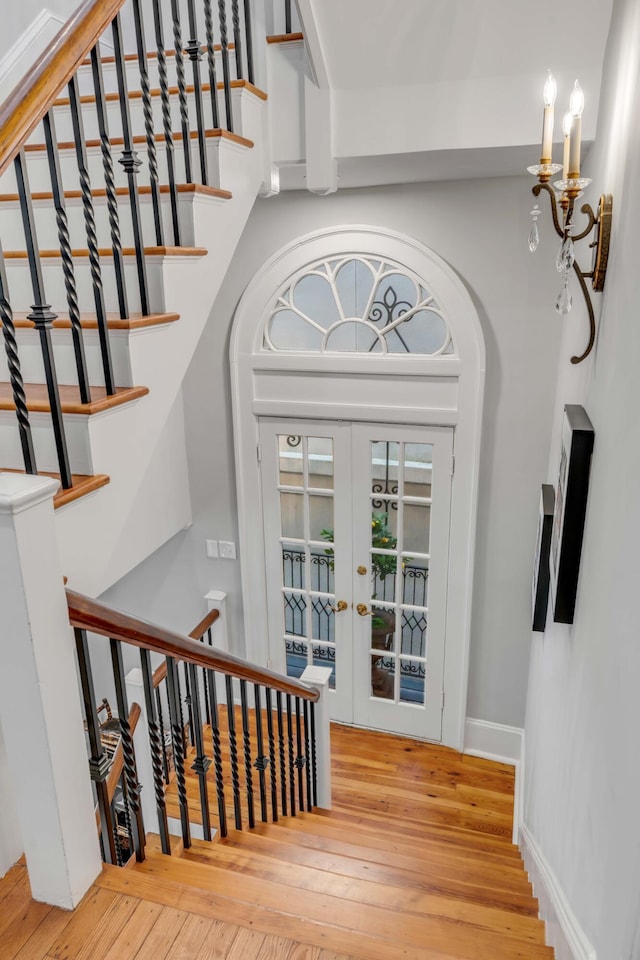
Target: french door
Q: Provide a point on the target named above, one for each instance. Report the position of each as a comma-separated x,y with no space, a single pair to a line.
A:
356,528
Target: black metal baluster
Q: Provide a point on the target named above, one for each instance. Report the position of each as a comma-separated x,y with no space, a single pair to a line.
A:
130,163
155,748
177,740
92,236
300,758
233,752
182,90
272,755
211,60
67,257
202,762
262,761
248,35
15,373
109,180
281,754
292,782
237,37
226,72
246,740
42,317
128,752
307,766
165,758
166,119
205,681
217,753
314,757
149,127
99,762
189,703
287,16
194,49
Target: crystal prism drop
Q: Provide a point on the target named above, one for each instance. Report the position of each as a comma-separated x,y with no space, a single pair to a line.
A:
566,256
534,236
564,301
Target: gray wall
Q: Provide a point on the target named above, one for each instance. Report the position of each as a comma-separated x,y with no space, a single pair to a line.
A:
480,228
583,713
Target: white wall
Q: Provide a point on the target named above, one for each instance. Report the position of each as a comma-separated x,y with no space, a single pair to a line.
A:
27,28
583,714
480,228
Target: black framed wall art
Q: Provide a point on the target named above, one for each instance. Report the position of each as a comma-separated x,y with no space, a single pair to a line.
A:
570,509
540,584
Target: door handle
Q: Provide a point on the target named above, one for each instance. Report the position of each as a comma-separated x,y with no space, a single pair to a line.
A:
340,607
362,610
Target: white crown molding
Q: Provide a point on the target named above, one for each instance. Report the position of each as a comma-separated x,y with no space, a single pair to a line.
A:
496,741
563,931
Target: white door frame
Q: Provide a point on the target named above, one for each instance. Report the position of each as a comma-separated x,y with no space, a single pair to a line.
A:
445,390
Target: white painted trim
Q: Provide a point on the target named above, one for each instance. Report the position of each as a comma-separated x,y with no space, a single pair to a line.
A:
563,930
496,741
27,41
20,492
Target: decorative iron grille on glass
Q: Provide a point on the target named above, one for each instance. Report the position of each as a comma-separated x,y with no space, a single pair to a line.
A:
35,101
197,688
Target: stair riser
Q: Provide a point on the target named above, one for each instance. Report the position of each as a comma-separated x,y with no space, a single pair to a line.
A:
78,442
21,293
31,357
47,231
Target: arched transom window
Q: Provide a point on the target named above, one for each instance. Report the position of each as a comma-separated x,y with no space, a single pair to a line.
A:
357,304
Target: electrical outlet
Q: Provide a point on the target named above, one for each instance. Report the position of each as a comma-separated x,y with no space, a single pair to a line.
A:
227,549
212,548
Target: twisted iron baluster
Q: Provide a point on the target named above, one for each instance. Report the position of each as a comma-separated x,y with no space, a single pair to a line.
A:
272,755
165,759
182,93
128,752
67,257
314,758
246,740
262,761
149,127
237,37
307,766
287,16
92,236
233,752
155,748
217,752
281,753
211,59
189,702
42,316
109,180
292,782
177,739
300,758
194,50
167,125
201,763
15,373
226,73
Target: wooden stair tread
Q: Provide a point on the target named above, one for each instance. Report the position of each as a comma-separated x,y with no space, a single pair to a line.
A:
38,398
106,253
81,485
442,933
196,188
89,321
284,37
173,91
212,134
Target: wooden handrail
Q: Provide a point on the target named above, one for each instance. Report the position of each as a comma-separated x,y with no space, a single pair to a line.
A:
91,615
160,672
27,104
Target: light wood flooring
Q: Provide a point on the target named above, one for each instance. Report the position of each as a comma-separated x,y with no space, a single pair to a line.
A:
414,862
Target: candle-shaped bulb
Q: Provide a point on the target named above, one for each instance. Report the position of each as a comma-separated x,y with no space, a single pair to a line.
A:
566,124
566,130
576,100
550,90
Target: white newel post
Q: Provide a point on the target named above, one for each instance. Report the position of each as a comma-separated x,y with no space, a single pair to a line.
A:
318,677
40,707
217,600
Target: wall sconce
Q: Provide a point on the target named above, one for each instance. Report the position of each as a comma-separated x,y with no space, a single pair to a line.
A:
563,195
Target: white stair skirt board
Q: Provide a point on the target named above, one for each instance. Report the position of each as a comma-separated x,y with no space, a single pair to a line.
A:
563,931
175,829
496,741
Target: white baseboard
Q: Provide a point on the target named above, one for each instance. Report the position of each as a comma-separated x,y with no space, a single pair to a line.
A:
495,741
563,931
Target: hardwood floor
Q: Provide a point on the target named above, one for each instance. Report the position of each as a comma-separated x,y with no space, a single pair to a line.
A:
414,862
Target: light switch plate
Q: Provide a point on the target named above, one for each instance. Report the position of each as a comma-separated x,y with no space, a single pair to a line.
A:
212,548
227,549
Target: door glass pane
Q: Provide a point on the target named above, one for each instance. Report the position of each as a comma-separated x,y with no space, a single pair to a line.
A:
297,657
383,577
320,453
322,619
290,460
412,682
418,461
293,566
321,570
415,582
414,632
383,625
384,473
416,525
295,613
292,515
382,677
320,518
384,529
